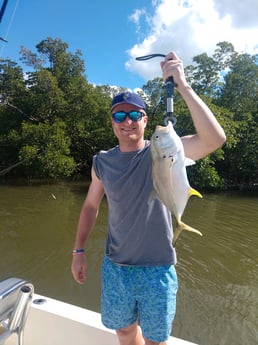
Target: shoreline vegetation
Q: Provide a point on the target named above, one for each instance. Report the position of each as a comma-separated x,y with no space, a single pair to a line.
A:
14,181
52,120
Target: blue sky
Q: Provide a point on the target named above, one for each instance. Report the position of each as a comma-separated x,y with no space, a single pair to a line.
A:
112,33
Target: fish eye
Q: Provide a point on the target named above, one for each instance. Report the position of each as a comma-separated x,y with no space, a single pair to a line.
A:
156,137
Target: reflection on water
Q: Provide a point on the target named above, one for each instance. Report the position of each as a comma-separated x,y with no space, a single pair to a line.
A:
218,284
218,273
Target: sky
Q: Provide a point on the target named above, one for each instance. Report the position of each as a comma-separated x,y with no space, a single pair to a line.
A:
111,33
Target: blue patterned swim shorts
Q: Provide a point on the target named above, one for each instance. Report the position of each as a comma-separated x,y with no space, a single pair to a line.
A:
143,294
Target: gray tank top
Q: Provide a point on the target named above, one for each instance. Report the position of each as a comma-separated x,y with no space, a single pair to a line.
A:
139,227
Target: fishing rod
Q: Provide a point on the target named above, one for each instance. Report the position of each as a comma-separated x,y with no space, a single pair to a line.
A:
170,86
2,10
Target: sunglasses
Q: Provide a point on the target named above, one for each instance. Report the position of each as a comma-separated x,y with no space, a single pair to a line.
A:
133,115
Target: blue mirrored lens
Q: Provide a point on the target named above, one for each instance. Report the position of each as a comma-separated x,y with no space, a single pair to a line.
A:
120,116
135,115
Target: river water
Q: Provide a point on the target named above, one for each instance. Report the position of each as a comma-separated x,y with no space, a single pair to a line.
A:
218,273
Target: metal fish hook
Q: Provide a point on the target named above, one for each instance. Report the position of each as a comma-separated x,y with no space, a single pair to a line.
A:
170,85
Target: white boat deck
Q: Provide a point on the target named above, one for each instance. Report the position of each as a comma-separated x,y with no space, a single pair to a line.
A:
58,323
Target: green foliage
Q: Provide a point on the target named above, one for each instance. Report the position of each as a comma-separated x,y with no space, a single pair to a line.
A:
52,121
239,94
45,150
204,174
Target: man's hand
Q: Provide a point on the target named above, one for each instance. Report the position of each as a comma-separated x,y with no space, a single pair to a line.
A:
78,268
172,66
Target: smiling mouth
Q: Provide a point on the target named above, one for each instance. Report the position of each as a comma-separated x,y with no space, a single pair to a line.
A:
128,129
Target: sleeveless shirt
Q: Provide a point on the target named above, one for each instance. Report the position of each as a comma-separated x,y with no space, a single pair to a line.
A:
139,226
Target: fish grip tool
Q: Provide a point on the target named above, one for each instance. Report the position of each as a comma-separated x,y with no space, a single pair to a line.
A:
170,86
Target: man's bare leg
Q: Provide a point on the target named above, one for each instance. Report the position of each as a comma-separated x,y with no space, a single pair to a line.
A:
149,342
130,335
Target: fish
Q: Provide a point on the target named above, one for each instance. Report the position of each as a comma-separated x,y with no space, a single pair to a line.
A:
170,181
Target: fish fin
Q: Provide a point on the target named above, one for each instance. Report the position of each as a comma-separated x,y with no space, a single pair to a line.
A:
189,161
182,226
193,191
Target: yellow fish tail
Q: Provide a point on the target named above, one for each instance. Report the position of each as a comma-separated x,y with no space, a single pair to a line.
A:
182,226
193,191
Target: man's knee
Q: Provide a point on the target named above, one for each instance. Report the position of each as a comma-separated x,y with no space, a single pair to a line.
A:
129,331
129,335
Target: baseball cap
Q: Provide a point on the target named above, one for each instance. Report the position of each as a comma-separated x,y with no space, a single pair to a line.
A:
128,97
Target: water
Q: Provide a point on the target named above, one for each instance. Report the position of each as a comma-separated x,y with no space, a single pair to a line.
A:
218,277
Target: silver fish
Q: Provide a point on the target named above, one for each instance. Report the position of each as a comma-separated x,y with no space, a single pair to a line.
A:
169,175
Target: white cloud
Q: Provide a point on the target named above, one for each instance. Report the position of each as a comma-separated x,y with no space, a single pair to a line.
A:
136,19
192,27
243,13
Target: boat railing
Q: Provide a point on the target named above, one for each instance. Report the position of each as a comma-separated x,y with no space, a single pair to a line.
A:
15,301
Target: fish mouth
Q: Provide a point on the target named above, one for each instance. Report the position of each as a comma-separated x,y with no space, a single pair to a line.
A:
162,128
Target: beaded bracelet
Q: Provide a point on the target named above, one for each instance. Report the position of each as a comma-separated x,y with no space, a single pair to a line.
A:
78,251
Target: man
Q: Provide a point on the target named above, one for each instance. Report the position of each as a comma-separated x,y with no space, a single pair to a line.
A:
139,282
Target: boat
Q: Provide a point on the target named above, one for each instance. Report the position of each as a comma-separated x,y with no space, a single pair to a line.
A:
27,318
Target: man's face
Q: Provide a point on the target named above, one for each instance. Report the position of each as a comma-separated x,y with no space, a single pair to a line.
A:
128,130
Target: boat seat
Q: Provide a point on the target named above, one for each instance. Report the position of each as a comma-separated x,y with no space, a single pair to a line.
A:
15,300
